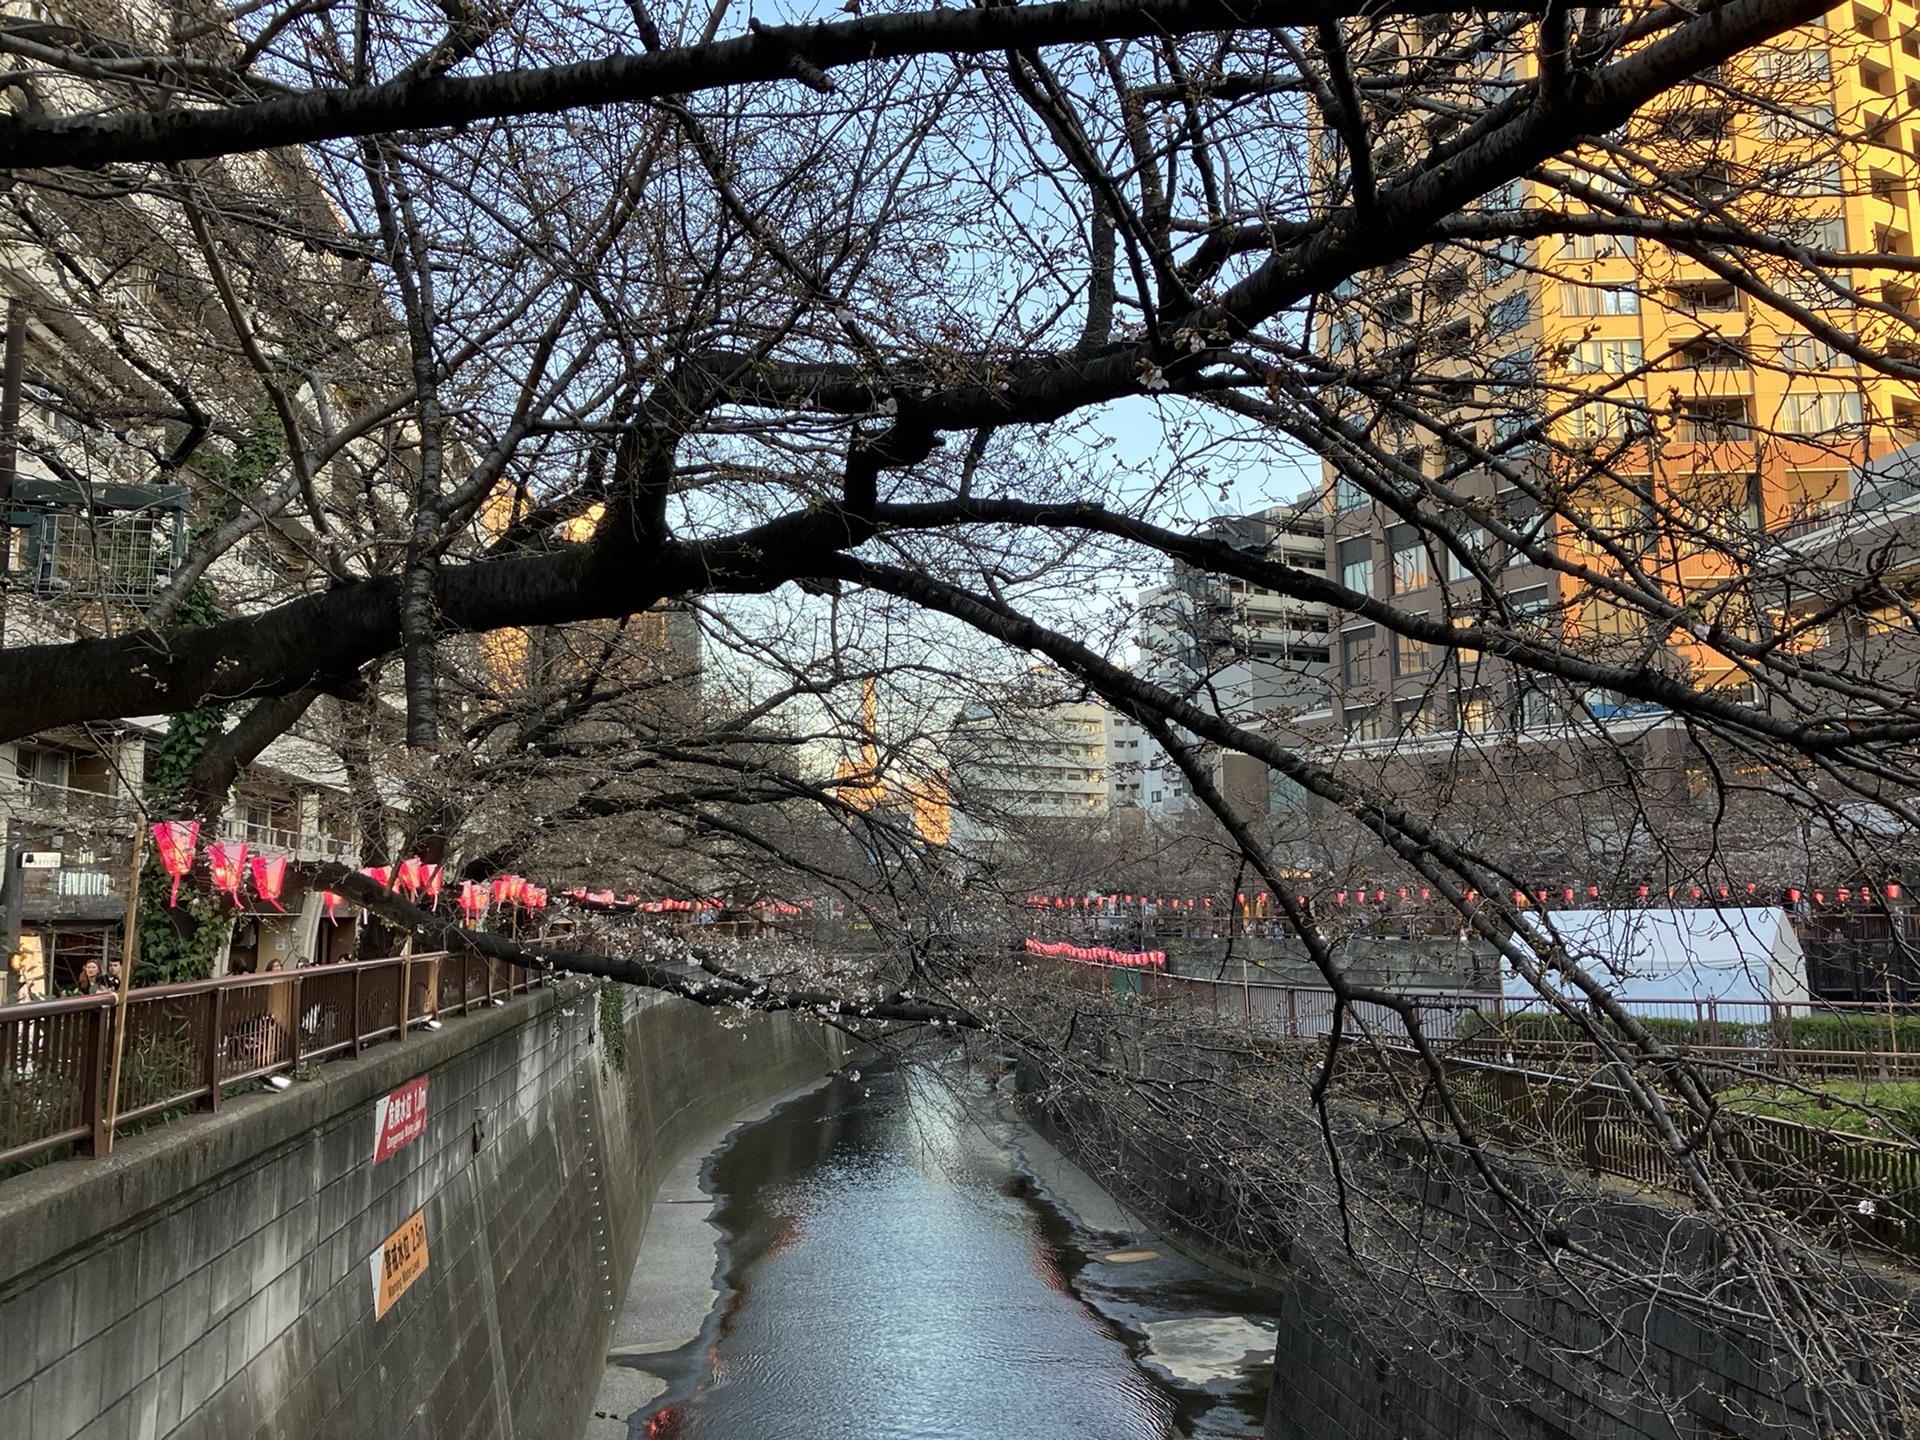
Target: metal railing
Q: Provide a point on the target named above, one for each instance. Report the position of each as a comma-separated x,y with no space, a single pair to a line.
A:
1526,1079
185,1044
1832,1039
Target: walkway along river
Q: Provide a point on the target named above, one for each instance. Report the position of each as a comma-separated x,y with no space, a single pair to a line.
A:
892,1267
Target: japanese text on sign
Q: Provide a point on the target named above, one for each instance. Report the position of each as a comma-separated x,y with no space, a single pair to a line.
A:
399,1118
400,1261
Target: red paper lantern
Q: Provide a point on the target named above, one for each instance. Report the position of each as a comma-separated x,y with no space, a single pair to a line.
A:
408,876
473,900
329,899
228,866
1794,896
176,839
269,878
1893,892
378,874
430,877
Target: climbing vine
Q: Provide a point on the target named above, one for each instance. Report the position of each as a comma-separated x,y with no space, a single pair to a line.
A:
180,942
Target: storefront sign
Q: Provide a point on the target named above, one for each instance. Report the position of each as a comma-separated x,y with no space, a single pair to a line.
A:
399,1118
39,859
399,1262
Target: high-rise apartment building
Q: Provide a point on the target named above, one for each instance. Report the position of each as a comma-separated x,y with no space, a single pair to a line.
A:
1620,402
1241,650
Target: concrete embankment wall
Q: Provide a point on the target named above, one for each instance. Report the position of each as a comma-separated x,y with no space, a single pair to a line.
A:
212,1277
1364,1353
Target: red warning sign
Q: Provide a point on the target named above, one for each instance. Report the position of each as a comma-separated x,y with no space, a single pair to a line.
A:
399,1118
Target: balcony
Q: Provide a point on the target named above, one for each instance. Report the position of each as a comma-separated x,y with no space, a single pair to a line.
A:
45,798
300,845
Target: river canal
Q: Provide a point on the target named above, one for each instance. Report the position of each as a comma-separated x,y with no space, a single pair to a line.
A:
892,1269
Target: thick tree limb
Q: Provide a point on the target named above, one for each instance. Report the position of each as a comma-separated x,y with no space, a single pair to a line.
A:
773,52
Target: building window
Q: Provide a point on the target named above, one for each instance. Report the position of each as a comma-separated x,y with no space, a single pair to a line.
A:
1709,297
1820,414
1595,247
1475,713
1806,178
1363,723
1532,605
1625,525
1522,513
43,774
1533,708
1503,260
1599,300
1809,65
1803,352
1714,354
1602,420
1410,570
1416,717
1715,422
1347,495
1355,647
1606,357
1356,564
1505,316
1797,122
1473,541
1411,656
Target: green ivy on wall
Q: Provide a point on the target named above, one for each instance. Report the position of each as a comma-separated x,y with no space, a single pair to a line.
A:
180,942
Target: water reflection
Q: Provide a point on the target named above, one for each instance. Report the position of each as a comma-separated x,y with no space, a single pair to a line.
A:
891,1275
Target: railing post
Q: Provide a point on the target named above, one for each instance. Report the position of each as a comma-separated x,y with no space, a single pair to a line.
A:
216,1045
93,1094
356,1010
293,1013
1293,1014
405,973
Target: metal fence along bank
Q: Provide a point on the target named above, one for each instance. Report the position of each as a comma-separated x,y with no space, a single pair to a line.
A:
1532,1081
181,1046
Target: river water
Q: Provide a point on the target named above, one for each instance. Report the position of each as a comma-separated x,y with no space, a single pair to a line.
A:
891,1270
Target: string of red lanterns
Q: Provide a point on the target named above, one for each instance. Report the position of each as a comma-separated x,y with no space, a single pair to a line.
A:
1100,954
1358,895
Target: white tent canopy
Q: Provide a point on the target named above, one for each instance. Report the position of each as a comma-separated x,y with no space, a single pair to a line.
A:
1664,954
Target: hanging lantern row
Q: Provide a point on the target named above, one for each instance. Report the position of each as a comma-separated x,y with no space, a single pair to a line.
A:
607,900
228,865
1405,894
412,877
1100,955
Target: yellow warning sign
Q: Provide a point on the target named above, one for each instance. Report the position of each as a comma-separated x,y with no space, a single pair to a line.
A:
399,1262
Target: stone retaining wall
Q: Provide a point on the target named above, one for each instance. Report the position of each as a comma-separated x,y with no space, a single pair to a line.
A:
212,1277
